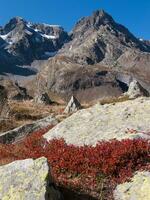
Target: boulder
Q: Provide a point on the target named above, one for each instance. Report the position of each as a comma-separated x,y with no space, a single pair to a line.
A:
72,106
27,180
43,99
21,132
105,122
136,189
135,90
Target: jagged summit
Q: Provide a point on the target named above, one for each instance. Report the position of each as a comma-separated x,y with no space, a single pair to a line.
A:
98,38
27,41
15,21
98,18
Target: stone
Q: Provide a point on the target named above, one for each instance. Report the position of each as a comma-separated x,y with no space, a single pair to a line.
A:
43,99
137,189
73,106
27,180
21,132
135,90
105,122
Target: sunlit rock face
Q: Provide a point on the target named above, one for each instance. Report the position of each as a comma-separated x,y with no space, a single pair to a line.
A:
27,180
105,122
137,188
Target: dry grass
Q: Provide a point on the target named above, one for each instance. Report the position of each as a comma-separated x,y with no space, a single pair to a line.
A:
7,124
24,112
114,100
108,100
27,111
34,110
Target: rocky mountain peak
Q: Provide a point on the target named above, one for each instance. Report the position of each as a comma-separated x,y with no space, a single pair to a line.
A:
101,17
13,23
27,41
98,38
98,18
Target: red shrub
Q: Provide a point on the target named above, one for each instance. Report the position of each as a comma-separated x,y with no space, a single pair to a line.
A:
86,168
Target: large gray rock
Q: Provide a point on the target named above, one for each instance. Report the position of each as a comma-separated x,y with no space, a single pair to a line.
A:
21,132
105,122
43,99
135,90
27,180
138,188
73,106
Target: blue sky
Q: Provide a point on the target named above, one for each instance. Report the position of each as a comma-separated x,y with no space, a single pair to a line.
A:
134,14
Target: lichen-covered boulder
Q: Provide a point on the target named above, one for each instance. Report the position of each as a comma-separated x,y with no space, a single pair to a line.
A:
27,180
104,123
137,189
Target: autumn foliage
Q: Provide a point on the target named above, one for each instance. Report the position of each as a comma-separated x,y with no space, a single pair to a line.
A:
93,170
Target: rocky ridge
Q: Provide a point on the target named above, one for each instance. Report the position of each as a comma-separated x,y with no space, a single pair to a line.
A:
20,133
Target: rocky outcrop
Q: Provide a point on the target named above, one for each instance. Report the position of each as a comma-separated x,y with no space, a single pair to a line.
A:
122,120
21,132
43,99
87,83
137,188
27,180
73,106
135,90
136,64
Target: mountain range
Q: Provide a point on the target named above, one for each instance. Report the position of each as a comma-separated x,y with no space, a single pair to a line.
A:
98,58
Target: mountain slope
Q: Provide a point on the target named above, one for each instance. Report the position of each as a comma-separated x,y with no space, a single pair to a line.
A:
94,61
98,38
27,41
97,59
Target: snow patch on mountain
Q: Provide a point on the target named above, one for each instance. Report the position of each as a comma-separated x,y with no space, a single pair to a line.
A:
51,25
4,37
49,36
50,54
